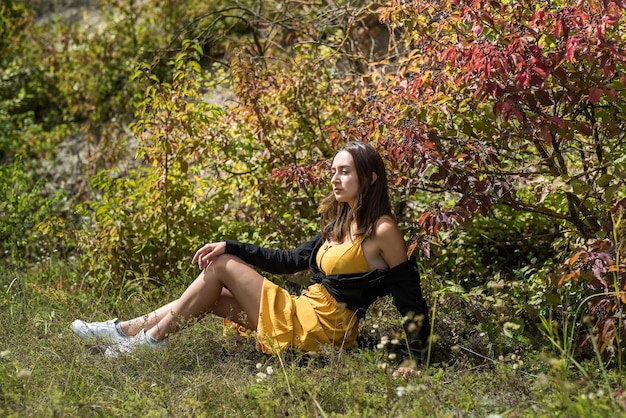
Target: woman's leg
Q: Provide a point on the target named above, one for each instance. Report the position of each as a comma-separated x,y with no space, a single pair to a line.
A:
226,272
225,307
133,326
228,307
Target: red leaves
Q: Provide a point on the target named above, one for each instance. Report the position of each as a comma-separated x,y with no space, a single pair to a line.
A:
543,97
449,55
595,93
557,122
437,220
541,72
507,108
302,176
535,69
584,128
558,29
522,80
570,49
610,19
546,135
477,29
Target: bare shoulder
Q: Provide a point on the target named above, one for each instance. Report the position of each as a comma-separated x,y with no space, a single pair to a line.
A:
386,226
386,229
390,241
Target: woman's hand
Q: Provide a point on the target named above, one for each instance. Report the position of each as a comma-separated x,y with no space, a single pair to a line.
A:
207,253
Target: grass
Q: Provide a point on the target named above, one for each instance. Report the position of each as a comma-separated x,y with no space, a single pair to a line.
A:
45,371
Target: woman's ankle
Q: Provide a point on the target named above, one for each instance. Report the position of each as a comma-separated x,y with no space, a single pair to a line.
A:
151,340
128,329
120,330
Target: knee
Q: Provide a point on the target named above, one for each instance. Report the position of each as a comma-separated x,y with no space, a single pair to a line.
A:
223,264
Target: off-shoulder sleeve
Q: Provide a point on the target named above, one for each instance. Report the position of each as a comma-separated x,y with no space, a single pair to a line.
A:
274,261
403,283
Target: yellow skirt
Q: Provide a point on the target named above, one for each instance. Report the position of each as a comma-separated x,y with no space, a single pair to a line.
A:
308,322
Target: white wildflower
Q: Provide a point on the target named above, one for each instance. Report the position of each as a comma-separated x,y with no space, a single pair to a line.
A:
383,342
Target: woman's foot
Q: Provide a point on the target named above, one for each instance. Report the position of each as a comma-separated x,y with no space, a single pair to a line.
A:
128,345
107,331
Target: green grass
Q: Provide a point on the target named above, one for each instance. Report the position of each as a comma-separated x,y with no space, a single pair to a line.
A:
46,371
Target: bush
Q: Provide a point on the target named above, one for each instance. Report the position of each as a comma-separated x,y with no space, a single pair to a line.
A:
31,221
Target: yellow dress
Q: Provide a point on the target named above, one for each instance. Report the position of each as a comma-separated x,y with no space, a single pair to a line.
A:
314,318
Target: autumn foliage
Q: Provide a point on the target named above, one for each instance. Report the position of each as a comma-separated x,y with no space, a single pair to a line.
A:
479,108
510,103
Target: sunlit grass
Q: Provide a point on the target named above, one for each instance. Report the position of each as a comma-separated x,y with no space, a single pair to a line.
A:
46,371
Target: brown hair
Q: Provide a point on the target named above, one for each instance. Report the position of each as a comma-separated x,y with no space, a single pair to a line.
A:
372,199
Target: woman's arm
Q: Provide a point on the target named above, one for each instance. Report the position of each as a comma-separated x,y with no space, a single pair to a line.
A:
274,260
270,260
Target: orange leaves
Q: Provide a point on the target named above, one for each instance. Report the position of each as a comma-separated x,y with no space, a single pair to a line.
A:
450,55
574,263
574,259
567,277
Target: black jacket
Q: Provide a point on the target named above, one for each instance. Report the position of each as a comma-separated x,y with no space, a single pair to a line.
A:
357,291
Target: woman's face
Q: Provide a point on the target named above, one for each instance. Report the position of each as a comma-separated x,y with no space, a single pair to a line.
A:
345,181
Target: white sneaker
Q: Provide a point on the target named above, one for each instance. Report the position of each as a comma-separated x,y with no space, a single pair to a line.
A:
128,345
98,331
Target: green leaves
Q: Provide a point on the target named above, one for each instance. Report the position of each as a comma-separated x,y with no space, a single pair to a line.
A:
31,223
208,170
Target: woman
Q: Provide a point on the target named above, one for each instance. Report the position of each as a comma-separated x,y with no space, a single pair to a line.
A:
359,256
